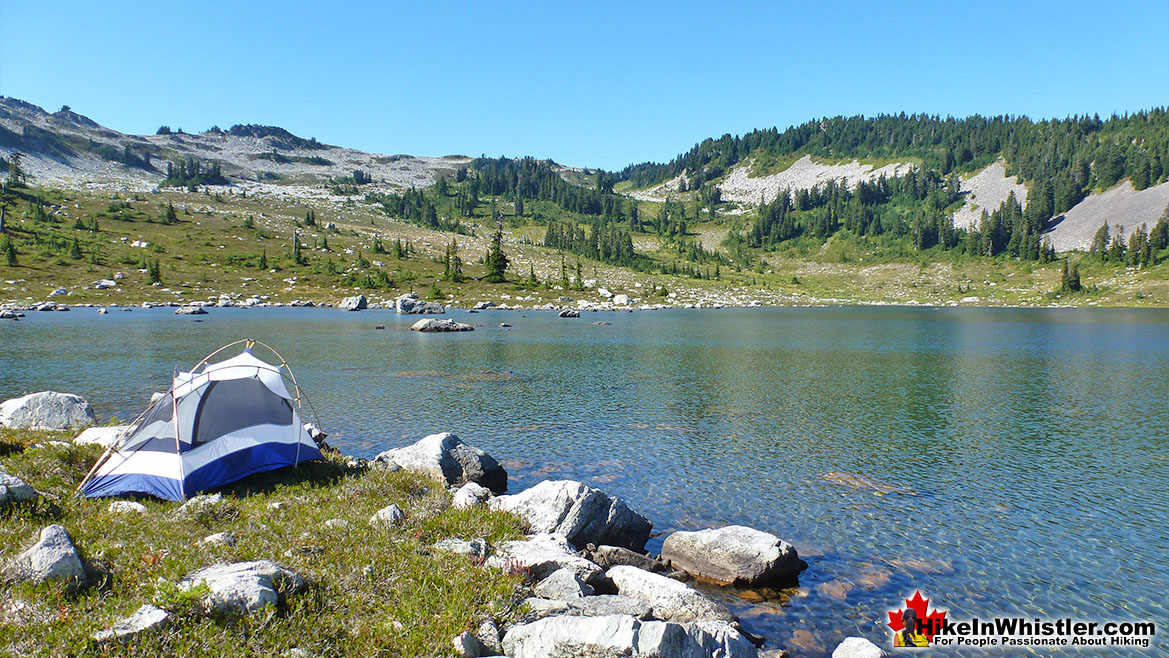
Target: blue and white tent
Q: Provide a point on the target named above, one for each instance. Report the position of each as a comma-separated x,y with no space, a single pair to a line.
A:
217,424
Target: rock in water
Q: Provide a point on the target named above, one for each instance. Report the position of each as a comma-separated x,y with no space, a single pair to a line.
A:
734,555
357,303
145,618
857,647
623,635
568,313
14,490
243,587
432,325
582,514
669,599
409,304
190,310
102,436
52,558
47,410
445,457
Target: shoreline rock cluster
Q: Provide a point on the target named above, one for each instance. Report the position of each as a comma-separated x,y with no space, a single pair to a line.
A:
595,591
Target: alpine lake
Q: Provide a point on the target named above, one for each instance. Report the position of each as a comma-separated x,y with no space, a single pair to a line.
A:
1002,462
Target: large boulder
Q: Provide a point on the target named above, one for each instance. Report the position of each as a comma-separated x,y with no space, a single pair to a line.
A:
14,490
622,635
669,599
541,555
409,304
102,436
582,514
243,587
52,558
190,310
568,313
430,325
857,647
47,410
357,303
734,555
445,457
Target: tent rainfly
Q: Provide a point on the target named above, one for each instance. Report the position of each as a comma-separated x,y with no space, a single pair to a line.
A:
219,423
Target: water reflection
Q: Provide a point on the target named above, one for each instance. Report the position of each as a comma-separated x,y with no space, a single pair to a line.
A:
1000,461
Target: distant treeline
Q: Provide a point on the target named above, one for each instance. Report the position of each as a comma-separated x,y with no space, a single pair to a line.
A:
1066,158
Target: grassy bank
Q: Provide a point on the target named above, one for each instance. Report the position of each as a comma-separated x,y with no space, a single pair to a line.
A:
243,246
372,592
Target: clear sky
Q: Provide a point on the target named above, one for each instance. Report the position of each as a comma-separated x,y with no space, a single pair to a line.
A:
600,84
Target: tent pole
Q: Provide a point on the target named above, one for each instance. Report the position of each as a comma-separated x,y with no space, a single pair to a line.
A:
116,444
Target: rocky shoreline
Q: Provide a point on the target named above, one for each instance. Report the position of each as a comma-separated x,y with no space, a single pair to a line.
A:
591,589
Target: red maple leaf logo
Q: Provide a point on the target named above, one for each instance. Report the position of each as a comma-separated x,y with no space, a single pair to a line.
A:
931,621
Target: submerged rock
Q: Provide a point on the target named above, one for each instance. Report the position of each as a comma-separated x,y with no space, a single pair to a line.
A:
52,558
582,514
611,556
243,587
668,598
598,605
47,410
734,555
445,457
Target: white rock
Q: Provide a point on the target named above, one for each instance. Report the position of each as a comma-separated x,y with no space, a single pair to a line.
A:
669,599
146,618
14,490
431,325
353,303
102,436
388,516
623,635
219,539
126,506
445,457
543,554
243,587
734,555
53,557
562,584
621,300
201,502
475,548
336,523
47,410
582,514
857,647
604,292
470,495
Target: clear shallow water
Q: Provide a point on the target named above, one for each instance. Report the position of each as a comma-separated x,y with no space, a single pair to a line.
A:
1023,454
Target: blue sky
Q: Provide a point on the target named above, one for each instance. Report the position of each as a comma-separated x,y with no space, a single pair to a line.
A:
589,84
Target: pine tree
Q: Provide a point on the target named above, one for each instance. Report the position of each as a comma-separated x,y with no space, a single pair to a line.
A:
264,260
496,261
75,250
453,263
10,252
153,273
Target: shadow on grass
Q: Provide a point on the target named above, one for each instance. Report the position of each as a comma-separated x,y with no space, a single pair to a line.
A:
321,473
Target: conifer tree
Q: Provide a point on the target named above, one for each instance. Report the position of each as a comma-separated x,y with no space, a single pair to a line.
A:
496,261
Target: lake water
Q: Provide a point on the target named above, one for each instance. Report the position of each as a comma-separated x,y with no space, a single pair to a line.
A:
1001,461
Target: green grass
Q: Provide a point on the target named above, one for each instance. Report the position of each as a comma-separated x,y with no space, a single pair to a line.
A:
373,592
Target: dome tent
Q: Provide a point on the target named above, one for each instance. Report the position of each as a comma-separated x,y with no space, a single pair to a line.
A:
218,424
